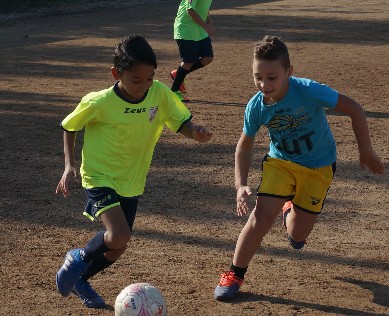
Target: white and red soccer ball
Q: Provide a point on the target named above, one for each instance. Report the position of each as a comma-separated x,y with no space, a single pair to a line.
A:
140,299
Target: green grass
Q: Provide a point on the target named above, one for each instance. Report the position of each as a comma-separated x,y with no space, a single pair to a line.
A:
17,6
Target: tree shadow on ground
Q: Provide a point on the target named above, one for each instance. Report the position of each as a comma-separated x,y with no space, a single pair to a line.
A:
379,291
296,305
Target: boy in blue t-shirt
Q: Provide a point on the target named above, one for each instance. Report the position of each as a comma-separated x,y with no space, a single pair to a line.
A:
298,170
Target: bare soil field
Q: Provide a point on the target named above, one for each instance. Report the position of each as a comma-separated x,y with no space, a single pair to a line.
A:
186,228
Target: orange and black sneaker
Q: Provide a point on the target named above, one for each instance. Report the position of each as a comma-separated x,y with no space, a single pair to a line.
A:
285,211
173,75
228,286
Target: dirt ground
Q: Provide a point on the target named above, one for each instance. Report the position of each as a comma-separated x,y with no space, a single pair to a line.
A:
186,228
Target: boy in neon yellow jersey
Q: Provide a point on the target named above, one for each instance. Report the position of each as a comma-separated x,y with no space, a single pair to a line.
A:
192,28
122,126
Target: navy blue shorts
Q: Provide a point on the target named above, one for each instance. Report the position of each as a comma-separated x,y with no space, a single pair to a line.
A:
190,51
102,199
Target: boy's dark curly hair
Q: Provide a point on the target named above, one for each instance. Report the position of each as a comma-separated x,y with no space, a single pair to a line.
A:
132,50
272,48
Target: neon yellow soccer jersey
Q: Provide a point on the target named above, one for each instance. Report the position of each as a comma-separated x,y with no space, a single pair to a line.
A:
184,26
120,137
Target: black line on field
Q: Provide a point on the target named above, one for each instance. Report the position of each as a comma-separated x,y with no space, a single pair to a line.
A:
218,103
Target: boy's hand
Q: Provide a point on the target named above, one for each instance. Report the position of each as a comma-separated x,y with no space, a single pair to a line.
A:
242,195
369,160
201,134
63,185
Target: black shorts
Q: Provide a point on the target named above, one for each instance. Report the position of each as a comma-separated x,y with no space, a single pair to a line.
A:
190,51
102,199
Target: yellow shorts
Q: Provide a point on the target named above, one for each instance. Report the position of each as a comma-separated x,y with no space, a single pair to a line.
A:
305,187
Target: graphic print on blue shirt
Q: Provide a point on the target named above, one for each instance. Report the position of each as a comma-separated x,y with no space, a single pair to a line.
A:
297,124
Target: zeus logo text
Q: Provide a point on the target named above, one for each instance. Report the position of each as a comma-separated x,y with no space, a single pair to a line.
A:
130,110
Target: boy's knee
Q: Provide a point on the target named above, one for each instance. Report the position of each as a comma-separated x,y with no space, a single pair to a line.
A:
115,254
118,239
296,244
206,60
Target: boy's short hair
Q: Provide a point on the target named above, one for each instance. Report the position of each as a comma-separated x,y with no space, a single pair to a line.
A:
272,48
132,50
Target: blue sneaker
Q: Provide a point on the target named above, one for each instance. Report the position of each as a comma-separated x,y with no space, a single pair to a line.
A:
70,272
228,286
87,294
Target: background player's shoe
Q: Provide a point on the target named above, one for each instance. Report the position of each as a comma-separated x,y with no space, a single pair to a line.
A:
181,96
70,272
173,75
87,294
228,286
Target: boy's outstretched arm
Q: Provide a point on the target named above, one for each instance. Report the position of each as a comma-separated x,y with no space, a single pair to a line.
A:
196,132
367,156
243,159
69,140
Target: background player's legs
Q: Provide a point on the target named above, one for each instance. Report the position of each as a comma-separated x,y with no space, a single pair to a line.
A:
194,55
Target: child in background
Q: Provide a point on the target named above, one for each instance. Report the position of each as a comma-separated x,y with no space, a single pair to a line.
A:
122,126
192,28
298,170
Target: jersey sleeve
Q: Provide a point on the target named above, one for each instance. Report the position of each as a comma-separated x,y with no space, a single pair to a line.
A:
178,112
252,120
82,114
324,95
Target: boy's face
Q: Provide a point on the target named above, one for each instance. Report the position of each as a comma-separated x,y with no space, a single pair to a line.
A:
135,81
271,78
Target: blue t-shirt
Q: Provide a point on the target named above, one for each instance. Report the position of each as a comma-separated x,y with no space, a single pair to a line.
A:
297,124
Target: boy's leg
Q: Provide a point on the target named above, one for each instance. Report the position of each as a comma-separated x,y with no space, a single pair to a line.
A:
298,224
101,254
206,54
258,225
178,77
311,191
189,54
103,201
102,261
126,213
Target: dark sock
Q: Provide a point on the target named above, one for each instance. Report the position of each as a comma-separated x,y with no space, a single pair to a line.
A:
95,247
296,244
239,272
96,265
197,65
180,77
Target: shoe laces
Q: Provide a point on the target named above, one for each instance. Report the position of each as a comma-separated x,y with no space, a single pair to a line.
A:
85,290
229,278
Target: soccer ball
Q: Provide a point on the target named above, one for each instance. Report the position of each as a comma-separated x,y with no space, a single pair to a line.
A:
140,299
